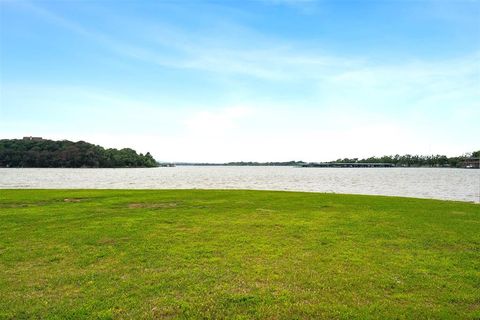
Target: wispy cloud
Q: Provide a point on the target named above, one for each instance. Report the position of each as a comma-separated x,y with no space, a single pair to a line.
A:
219,122
275,60
428,85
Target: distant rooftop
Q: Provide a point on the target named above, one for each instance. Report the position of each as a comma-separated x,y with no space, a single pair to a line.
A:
33,138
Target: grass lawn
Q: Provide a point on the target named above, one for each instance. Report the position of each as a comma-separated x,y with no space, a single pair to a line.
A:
118,254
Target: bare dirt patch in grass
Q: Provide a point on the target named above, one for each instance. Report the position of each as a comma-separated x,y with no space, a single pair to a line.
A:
14,205
160,205
24,205
74,199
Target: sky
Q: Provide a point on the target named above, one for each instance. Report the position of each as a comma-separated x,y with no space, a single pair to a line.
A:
219,81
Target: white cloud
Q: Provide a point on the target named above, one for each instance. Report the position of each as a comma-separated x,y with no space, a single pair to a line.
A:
219,122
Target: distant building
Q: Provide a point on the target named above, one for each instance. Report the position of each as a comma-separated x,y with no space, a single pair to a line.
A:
471,163
33,138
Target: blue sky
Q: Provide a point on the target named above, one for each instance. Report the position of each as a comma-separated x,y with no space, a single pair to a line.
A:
218,81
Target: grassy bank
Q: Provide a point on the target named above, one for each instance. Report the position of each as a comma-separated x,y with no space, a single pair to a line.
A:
235,255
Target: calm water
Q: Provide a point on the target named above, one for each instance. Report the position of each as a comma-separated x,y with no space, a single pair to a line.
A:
451,184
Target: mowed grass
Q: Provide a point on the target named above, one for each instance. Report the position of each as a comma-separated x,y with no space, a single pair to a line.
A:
118,254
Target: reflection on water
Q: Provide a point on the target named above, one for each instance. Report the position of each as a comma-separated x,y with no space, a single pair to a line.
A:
451,184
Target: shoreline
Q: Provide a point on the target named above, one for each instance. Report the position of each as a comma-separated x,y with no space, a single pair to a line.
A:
237,189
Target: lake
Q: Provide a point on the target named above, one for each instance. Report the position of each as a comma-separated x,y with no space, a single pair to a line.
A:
435,183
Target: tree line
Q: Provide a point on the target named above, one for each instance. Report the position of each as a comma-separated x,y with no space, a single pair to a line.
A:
241,163
416,160
42,153
397,160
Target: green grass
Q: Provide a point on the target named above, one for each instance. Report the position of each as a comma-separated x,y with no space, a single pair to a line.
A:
68,254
